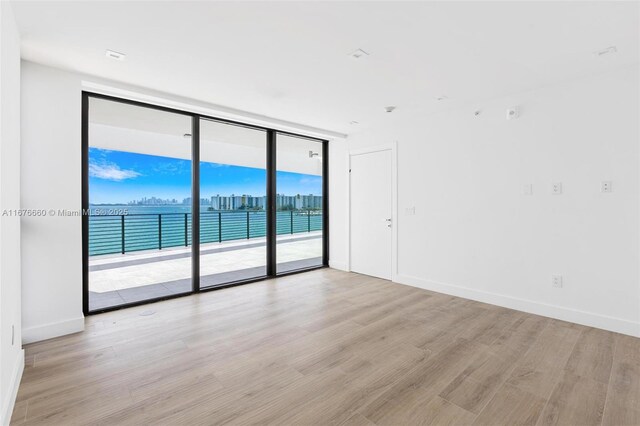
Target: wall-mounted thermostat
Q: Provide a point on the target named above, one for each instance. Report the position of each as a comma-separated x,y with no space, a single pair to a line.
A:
513,112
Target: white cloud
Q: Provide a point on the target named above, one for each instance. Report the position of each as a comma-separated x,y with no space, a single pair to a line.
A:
311,181
216,165
111,171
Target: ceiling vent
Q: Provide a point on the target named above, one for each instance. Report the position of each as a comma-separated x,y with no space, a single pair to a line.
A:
358,53
609,50
115,55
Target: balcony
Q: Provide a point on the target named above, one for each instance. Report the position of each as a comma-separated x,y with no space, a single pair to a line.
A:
144,256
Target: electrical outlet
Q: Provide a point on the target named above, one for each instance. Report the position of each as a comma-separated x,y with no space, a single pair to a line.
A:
556,188
556,281
410,211
606,186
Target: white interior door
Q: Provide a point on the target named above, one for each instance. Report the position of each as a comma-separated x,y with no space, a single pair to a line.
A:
371,208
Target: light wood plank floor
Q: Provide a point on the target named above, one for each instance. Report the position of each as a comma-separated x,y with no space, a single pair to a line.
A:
329,347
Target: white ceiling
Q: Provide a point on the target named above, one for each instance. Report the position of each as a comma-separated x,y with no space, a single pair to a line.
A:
290,60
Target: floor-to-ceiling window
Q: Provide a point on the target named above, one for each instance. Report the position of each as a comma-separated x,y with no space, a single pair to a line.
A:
299,203
179,202
139,188
233,188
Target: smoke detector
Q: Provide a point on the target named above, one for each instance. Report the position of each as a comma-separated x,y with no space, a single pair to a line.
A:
513,112
115,55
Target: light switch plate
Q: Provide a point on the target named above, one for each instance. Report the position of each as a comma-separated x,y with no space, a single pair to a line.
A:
556,188
527,189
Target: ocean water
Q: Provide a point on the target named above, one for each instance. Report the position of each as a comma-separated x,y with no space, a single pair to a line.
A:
153,227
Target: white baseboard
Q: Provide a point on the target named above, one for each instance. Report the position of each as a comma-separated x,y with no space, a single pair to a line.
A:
338,265
49,331
617,325
10,399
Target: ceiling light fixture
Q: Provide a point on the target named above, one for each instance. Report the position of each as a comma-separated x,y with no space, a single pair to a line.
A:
353,122
389,108
115,55
608,50
441,98
358,53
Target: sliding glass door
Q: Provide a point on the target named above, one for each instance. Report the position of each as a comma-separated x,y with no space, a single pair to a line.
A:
233,188
139,189
175,203
299,203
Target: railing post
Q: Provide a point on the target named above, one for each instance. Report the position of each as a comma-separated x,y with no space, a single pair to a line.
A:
159,231
219,227
247,224
291,222
308,220
122,231
186,231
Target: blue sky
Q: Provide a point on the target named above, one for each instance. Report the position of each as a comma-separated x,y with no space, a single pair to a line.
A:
119,177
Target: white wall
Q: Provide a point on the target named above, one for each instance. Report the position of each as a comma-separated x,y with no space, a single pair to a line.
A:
475,234
51,179
11,353
338,200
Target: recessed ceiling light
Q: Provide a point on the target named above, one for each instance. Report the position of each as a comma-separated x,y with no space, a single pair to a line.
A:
608,50
389,108
442,98
115,55
353,122
358,53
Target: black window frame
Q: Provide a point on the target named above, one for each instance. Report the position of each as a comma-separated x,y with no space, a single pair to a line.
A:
271,148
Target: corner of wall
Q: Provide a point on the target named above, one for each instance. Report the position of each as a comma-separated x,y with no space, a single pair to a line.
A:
11,353
51,330
10,397
339,265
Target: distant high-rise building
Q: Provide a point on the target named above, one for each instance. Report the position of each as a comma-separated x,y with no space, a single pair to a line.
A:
245,202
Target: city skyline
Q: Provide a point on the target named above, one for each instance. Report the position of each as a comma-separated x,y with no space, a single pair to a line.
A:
236,202
118,177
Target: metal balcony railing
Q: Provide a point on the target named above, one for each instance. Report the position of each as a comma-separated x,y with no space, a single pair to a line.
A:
110,234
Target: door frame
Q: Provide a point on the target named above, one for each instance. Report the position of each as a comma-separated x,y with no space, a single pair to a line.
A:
393,147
